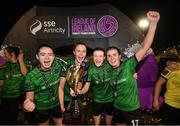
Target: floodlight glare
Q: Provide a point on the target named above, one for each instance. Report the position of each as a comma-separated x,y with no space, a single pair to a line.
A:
143,23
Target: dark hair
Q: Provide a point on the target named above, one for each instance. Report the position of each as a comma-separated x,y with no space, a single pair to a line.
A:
171,50
113,48
173,57
44,45
11,49
79,43
99,49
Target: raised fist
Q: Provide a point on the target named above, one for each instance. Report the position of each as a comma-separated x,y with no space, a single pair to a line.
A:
153,16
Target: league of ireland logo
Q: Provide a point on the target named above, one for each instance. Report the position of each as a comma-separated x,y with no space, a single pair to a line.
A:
107,26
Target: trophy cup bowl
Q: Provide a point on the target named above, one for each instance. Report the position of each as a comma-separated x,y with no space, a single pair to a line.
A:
73,76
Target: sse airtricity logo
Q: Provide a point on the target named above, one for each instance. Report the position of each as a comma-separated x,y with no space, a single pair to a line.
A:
107,26
35,27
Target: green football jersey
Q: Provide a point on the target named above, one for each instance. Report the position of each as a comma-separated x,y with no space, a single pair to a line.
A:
125,86
67,96
13,80
46,96
99,79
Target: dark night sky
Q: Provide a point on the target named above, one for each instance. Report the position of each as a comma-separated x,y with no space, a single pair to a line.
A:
167,31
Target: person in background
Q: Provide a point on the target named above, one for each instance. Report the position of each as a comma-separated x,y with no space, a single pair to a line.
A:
2,58
171,77
12,78
2,62
99,80
126,100
42,87
147,74
163,63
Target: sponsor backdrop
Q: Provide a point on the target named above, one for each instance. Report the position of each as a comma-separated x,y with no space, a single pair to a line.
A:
98,26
